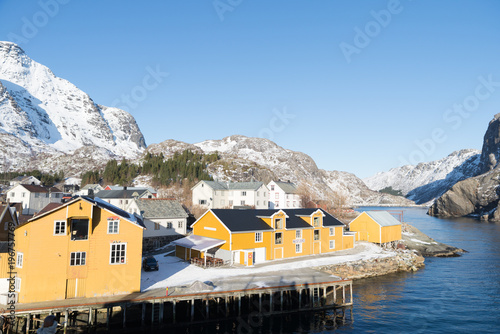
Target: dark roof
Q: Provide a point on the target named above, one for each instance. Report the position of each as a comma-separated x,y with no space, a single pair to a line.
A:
160,208
249,220
287,187
120,193
49,207
217,185
40,189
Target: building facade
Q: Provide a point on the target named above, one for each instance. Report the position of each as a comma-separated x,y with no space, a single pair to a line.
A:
283,195
83,248
33,197
222,195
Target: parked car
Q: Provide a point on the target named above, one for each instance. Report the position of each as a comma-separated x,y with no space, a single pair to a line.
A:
150,263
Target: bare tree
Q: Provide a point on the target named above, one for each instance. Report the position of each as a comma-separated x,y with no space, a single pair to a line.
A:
304,192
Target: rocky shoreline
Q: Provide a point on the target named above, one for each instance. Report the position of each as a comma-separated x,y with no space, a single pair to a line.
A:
410,254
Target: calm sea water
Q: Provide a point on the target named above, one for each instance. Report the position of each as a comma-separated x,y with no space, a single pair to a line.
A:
450,295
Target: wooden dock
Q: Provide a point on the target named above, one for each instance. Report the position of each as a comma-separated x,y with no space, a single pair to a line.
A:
152,310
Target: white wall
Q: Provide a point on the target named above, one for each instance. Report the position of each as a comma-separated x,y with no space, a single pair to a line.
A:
151,232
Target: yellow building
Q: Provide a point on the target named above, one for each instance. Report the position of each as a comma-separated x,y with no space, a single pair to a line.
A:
83,248
254,236
376,226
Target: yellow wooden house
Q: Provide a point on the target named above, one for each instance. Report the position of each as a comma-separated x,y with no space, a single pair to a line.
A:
254,236
376,226
83,248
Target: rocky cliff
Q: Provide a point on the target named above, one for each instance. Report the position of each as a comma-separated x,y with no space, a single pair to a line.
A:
477,196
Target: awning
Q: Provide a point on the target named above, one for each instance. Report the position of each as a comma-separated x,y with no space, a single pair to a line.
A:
198,243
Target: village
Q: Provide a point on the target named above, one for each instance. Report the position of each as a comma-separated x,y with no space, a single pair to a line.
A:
76,245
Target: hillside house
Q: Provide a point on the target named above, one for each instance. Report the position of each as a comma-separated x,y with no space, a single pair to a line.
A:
83,248
33,197
25,180
122,197
221,195
255,236
376,226
165,220
151,190
90,189
283,195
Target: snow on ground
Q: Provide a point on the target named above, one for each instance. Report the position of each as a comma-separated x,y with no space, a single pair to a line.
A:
174,271
423,242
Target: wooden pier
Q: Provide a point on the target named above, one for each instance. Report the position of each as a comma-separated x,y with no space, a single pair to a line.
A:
140,311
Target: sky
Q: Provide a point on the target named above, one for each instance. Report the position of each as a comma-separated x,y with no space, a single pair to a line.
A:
360,86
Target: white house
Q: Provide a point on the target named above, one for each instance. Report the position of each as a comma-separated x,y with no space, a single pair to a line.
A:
33,198
222,195
152,190
165,220
283,195
123,197
90,189
25,180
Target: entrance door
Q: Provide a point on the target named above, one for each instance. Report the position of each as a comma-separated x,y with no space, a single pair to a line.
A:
278,253
75,287
260,255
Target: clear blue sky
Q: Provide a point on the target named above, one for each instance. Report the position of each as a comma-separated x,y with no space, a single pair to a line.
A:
231,68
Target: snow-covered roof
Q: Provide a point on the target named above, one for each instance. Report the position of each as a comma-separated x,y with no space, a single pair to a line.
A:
198,243
383,218
160,208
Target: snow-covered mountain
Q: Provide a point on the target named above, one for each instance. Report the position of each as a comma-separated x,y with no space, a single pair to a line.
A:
243,158
51,115
428,180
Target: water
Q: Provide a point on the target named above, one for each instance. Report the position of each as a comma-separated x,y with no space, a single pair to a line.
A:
450,295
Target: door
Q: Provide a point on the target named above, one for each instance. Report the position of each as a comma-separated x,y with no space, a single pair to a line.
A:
260,255
278,253
75,288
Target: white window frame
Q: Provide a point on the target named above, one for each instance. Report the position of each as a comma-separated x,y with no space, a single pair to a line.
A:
113,248
170,225
157,226
80,260
316,232
316,222
202,202
298,248
332,231
332,241
62,226
243,193
19,260
180,224
242,202
116,224
298,234
258,237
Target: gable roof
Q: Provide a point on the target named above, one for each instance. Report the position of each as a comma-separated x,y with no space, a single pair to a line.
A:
217,185
252,220
383,218
152,190
120,193
40,189
160,208
287,187
49,207
92,186
100,204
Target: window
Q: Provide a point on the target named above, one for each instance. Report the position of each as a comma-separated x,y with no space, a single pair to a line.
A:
287,204
258,236
157,226
202,202
180,224
58,195
294,204
19,260
12,194
46,195
332,244
316,221
79,229
277,204
243,193
37,195
298,248
278,240
231,203
222,202
272,188
264,203
169,225
264,194
17,284
60,227
287,196
242,202
23,194
279,223
121,201
257,203
118,253
277,196
113,226
77,259
298,234
126,201
316,235
332,231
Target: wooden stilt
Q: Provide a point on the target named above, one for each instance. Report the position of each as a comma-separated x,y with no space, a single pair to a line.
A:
143,316
28,323
160,318
66,316
207,314
271,302
108,314
174,306
300,299
260,303
192,309
239,305
124,310
281,300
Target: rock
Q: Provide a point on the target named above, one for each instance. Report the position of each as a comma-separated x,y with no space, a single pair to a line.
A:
415,240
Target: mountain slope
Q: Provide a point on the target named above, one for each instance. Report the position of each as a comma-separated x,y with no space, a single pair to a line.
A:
426,181
52,115
244,158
